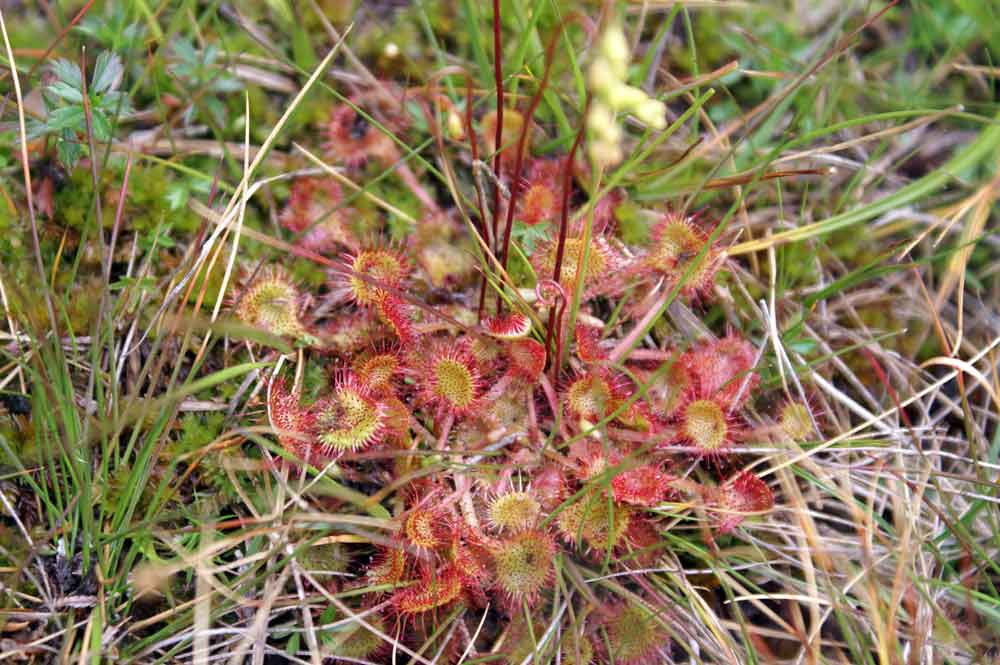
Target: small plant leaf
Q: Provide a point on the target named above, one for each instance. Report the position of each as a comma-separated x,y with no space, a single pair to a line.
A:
107,72
68,117
66,91
101,125
68,72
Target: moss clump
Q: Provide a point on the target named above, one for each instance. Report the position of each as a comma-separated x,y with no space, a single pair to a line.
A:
198,430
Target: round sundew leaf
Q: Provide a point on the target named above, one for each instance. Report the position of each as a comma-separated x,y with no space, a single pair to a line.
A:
641,486
705,424
514,511
634,636
524,564
271,302
508,326
430,592
424,529
380,265
350,419
451,380
527,358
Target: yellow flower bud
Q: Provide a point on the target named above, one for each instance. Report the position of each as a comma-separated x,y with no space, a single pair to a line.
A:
653,113
600,77
456,129
614,48
623,97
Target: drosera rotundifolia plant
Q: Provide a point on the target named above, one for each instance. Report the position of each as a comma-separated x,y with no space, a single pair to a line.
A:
550,438
536,333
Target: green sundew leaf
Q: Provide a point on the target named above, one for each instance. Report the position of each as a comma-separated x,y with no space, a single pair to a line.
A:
68,117
107,72
68,72
66,91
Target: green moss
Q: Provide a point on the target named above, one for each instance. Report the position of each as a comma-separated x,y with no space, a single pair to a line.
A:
198,430
309,275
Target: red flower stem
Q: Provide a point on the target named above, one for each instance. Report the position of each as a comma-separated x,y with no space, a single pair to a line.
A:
480,204
498,137
519,154
567,183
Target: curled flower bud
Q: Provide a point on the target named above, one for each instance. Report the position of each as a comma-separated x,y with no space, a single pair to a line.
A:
652,112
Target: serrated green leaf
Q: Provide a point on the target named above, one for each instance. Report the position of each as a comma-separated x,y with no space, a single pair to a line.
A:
68,72
68,117
66,91
107,72
36,128
101,125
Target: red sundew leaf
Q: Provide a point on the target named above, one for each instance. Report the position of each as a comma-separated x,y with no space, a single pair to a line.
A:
588,344
641,486
450,379
396,314
427,529
635,637
431,591
719,369
527,358
295,426
508,326
741,494
708,427
523,566
350,418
